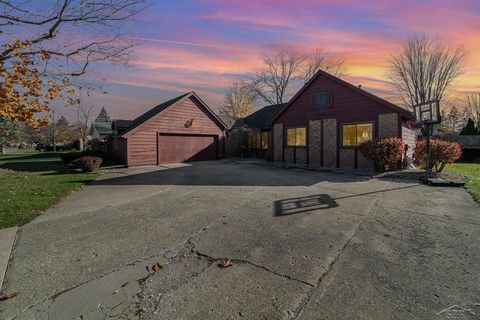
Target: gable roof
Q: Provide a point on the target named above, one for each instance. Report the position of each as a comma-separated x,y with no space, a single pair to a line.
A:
230,121
163,106
263,117
403,112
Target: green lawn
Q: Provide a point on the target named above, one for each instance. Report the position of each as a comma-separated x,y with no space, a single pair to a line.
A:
31,183
472,170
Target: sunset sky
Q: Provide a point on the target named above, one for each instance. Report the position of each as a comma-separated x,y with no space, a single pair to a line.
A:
203,45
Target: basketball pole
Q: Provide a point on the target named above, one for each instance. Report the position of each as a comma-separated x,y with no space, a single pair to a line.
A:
427,154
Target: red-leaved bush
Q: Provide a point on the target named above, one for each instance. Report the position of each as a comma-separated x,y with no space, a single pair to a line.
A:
384,153
87,163
441,153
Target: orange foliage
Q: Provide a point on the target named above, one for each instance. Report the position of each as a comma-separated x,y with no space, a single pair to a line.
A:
25,92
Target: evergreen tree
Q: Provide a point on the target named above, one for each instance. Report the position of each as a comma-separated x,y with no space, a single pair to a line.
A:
470,129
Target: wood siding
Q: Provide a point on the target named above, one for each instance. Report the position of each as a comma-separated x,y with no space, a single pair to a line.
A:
142,141
346,106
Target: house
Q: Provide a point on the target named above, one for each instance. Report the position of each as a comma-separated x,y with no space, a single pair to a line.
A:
101,128
323,124
179,130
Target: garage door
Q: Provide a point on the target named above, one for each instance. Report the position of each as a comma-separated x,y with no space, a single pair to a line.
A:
185,148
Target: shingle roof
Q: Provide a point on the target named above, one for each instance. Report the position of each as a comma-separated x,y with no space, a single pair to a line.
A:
230,121
262,118
403,112
152,112
102,127
156,110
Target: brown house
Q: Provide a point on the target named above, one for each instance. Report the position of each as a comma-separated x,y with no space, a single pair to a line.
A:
179,130
323,124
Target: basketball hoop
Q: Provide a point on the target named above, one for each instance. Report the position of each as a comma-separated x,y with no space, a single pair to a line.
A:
427,114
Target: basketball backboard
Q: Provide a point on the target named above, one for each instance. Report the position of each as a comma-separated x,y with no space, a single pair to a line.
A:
427,112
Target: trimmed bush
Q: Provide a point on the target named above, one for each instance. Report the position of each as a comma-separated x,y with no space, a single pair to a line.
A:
384,153
71,156
441,153
88,163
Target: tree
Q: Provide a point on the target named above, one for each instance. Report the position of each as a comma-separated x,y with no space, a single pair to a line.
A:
60,39
283,68
425,68
470,129
472,103
453,119
84,116
9,132
321,60
238,100
271,82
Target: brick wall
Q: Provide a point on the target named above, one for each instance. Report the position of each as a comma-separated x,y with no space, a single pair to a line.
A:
347,158
301,156
330,142
277,142
388,125
289,155
314,142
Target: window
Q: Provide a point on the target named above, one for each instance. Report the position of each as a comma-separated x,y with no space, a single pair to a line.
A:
296,137
354,134
321,101
264,145
258,140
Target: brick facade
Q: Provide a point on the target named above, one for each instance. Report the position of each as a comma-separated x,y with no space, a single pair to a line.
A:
387,125
315,142
330,142
277,142
347,158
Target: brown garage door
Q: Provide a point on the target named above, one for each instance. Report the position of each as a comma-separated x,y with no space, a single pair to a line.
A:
185,148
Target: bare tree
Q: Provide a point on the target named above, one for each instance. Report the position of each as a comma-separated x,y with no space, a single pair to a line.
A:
284,68
272,81
321,60
72,33
425,68
453,118
472,104
84,115
238,100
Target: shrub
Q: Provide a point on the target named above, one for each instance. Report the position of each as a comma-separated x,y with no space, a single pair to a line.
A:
88,163
71,156
384,153
441,153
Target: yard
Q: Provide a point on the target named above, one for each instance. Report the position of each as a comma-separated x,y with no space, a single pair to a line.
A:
210,240
31,182
472,170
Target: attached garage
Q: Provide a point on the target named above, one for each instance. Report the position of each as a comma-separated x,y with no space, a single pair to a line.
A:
183,129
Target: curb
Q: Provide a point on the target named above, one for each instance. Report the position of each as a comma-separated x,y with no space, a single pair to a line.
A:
7,239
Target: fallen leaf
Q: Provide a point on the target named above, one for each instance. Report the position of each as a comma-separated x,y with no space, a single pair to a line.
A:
157,266
225,263
9,295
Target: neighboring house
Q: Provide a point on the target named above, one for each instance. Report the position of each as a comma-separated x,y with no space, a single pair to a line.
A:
179,130
102,126
323,124
250,136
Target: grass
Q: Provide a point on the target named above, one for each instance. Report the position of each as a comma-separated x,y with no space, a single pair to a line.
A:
472,171
30,183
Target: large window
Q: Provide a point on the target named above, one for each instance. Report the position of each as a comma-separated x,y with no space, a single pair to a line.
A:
296,137
264,144
354,134
258,140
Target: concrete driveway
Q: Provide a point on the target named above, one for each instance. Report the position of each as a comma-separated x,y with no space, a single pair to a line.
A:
149,243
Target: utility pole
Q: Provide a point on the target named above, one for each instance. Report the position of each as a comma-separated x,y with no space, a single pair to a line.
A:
53,136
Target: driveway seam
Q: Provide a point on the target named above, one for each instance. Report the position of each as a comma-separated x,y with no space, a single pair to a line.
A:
329,267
